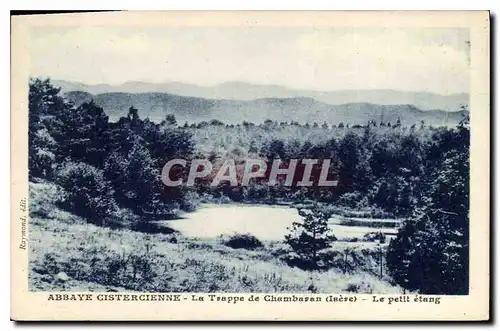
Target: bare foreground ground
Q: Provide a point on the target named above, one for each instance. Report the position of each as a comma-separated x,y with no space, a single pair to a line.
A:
103,259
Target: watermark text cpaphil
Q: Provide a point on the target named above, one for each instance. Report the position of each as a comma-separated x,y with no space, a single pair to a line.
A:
293,172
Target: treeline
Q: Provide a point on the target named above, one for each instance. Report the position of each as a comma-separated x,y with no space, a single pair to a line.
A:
419,173
106,169
431,251
110,174
379,169
275,124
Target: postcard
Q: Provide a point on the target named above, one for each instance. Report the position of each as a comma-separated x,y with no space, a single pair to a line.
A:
250,166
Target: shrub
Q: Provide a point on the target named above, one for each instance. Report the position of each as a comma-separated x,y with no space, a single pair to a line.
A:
256,192
246,241
353,288
350,199
190,201
308,238
88,194
43,197
375,236
41,156
49,264
430,253
346,261
361,287
123,218
279,249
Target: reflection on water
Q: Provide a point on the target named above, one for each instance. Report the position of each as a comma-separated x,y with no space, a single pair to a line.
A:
264,222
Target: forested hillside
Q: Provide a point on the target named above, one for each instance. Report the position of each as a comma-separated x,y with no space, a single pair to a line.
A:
109,171
245,91
300,109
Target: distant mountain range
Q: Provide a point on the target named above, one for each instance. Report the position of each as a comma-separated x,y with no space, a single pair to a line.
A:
246,92
157,105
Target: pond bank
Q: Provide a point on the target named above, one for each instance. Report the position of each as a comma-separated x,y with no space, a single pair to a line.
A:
266,222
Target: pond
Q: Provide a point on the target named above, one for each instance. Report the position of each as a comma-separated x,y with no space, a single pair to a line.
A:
263,221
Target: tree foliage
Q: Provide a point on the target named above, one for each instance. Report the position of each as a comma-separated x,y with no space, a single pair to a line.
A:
87,193
420,173
310,237
431,251
103,165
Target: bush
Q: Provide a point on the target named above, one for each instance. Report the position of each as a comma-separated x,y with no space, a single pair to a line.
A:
346,261
190,201
308,238
350,199
43,196
41,155
430,253
87,194
375,236
256,192
246,241
123,218
361,287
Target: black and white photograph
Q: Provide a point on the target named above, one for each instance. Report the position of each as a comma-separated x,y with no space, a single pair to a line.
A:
285,161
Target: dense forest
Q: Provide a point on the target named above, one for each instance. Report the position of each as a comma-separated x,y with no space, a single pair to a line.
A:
109,173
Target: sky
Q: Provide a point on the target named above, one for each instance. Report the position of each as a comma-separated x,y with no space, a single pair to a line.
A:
327,59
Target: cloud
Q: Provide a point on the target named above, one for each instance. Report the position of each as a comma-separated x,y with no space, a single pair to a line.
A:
392,59
322,59
95,54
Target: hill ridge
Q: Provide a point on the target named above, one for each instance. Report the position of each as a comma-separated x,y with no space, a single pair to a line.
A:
246,92
156,105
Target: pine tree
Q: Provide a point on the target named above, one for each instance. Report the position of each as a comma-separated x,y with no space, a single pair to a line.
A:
133,113
143,183
431,251
83,136
45,107
309,237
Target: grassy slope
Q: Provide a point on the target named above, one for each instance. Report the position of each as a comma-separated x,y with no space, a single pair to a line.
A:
103,259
